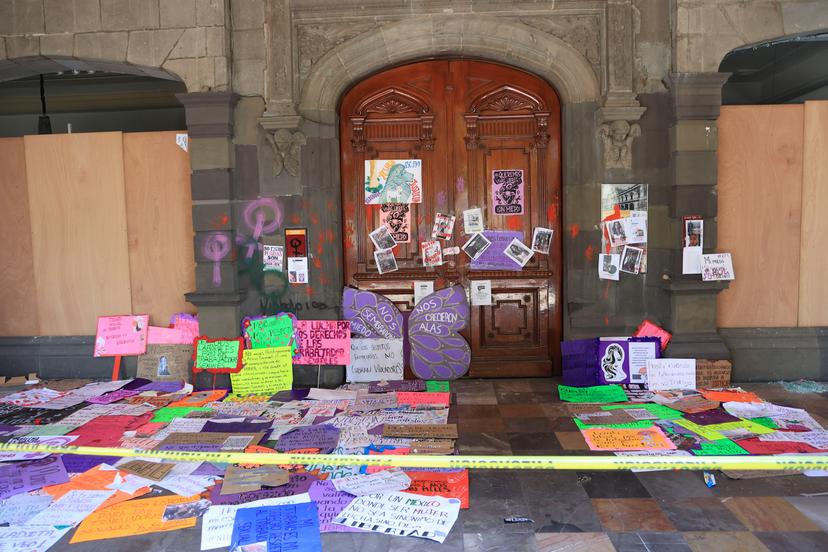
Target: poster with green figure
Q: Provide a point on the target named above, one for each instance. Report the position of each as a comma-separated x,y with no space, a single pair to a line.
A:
393,181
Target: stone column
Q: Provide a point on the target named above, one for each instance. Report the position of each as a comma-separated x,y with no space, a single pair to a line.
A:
217,294
695,99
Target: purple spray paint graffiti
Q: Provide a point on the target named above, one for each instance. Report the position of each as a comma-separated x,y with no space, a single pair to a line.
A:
262,216
216,247
371,314
460,184
437,350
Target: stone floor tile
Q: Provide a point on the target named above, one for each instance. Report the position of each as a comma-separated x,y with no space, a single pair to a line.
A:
802,541
483,443
612,484
479,425
769,513
571,440
624,515
573,542
564,515
513,397
533,443
513,385
355,542
815,508
674,484
729,541
477,410
486,515
485,397
700,514
528,410
528,425
498,542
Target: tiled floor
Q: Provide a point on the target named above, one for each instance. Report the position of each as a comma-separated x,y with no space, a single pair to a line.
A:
586,511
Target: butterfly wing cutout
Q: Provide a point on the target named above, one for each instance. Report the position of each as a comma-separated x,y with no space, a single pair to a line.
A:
437,350
371,314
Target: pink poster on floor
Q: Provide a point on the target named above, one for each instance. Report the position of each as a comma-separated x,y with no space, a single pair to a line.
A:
121,335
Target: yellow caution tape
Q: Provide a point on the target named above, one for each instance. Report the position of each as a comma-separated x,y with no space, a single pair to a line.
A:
791,462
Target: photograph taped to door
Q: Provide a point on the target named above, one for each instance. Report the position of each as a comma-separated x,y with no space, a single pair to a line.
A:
518,252
476,245
386,262
393,181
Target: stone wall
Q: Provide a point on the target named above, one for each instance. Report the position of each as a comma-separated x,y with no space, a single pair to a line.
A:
706,30
188,38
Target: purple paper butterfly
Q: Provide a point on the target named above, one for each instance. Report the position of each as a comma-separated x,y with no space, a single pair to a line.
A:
437,350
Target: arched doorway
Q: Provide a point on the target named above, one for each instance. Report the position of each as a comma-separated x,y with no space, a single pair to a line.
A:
463,119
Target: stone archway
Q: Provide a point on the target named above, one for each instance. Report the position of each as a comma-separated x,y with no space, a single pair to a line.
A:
21,67
428,36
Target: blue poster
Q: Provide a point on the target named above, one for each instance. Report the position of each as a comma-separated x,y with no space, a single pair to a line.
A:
292,527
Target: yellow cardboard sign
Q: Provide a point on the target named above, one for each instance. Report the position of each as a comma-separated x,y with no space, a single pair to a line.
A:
264,371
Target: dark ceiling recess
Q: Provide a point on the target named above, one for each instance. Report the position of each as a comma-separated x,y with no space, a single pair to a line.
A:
791,69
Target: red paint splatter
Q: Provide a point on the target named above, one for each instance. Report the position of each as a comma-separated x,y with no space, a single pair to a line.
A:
514,223
607,289
606,320
574,230
589,252
329,235
552,213
296,218
319,249
309,291
317,262
314,219
324,280
330,205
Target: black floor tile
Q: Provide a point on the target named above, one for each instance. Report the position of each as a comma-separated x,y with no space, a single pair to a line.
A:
612,484
805,541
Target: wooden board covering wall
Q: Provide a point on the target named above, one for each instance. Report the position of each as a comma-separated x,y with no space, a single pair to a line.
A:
760,204
18,296
79,230
813,276
159,224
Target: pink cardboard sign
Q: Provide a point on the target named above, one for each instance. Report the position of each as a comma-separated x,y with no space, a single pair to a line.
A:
323,342
168,336
422,399
121,335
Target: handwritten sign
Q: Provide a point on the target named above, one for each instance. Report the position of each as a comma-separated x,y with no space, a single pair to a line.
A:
594,394
381,482
717,266
217,522
651,438
375,359
447,484
283,527
121,335
165,362
374,401
671,373
270,331
323,437
422,399
157,335
218,355
711,374
324,342
265,371
28,476
421,431
329,503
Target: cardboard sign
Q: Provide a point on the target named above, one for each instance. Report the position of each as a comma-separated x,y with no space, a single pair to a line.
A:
717,266
165,363
186,440
671,373
371,315
442,447
265,371
421,431
694,404
218,355
595,415
438,351
150,470
624,360
121,335
268,331
324,342
447,484
377,401
393,181
507,192
375,359
712,374
242,480
594,394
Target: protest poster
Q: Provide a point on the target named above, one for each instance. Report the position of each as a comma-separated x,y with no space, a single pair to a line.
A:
421,431
542,239
432,253
422,290
423,399
594,394
385,261
473,221
18,509
381,482
651,438
217,522
165,362
329,503
168,336
618,203
624,360
284,527
402,514
481,292
239,480
72,508
268,331
273,257
494,256
323,342
443,226
298,483
393,181
218,355
712,374
22,477
449,484
671,373
121,335
323,437
375,359
507,192
717,266
397,217
264,371
609,266
19,538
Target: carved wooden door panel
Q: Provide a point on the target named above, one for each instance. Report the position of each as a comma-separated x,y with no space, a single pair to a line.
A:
463,119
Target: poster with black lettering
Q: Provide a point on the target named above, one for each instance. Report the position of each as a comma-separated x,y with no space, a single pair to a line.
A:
397,217
507,192
324,342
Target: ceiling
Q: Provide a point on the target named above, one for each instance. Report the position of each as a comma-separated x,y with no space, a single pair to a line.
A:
786,70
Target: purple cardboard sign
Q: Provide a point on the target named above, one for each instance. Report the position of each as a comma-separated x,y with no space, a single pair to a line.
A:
580,362
394,386
715,416
624,360
32,475
297,484
290,395
112,397
371,314
322,437
237,427
494,258
77,463
329,503
208,468
162,386
438,352
507,192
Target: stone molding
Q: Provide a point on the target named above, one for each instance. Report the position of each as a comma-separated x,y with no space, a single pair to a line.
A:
209,114
695,95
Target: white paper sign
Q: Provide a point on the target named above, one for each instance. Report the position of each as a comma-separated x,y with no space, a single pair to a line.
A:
402,514
183,141
473,221
691,260
217,522
386,481
421,289
817,439
18,509
717,266
671,373
297,270
609,267
481,292
26,539
273,257
71,508
375,359
640,352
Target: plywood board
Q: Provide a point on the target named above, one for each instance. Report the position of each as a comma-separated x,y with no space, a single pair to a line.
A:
18,295
159,224
813,276
79,235
760,204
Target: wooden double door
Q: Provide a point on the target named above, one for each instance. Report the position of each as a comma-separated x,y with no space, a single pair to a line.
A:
463,119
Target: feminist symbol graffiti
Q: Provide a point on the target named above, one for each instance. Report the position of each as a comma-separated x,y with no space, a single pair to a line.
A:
215,248
255,215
